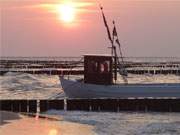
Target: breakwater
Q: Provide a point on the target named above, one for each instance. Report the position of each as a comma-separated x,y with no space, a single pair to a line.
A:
98,105
74,65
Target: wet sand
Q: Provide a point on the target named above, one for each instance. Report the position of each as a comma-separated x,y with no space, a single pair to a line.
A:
23,125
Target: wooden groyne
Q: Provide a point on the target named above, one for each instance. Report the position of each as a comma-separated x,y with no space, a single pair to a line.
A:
44,71
50,71
29,106
74,65
97,105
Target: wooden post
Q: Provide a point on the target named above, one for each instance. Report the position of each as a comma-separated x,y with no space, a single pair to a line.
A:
115,68
65,104
27,106
146,108
90,108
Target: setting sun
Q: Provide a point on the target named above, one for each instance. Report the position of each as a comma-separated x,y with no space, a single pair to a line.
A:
66,12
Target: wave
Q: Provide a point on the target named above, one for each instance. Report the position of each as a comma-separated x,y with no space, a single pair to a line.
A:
23,85
125,123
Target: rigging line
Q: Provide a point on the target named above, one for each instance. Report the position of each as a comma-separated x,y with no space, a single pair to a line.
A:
111,38
122,70
121,55
75,63
55,96
107,29
113,48
119,45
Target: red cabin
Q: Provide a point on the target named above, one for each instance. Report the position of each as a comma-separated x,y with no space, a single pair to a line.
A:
98,69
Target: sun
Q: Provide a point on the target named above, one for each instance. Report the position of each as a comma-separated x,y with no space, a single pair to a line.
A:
66,12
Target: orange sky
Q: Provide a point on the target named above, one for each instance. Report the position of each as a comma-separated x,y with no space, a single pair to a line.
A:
145,27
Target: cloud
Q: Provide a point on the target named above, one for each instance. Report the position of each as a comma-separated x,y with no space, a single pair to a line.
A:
51,6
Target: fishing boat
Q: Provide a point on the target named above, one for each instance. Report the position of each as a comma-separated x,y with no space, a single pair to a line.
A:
99,82
100,77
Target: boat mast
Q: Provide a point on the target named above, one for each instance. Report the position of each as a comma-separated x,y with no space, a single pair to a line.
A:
114,39
113,47
122,70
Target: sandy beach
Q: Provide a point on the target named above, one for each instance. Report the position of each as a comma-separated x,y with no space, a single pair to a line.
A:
16,124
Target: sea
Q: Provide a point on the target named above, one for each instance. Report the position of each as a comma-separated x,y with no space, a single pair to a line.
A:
28,86
43,86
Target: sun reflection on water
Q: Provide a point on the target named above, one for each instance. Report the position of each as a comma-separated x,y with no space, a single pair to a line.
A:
53,132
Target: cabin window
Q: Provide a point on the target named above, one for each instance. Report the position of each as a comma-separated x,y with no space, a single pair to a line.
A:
95,67
92,66
101,68
104,67
98,67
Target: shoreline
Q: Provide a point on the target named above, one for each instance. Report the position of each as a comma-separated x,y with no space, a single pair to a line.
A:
19,124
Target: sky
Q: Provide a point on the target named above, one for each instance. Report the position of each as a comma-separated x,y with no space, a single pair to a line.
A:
37,28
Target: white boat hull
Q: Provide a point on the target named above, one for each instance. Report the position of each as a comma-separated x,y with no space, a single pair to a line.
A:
75,89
